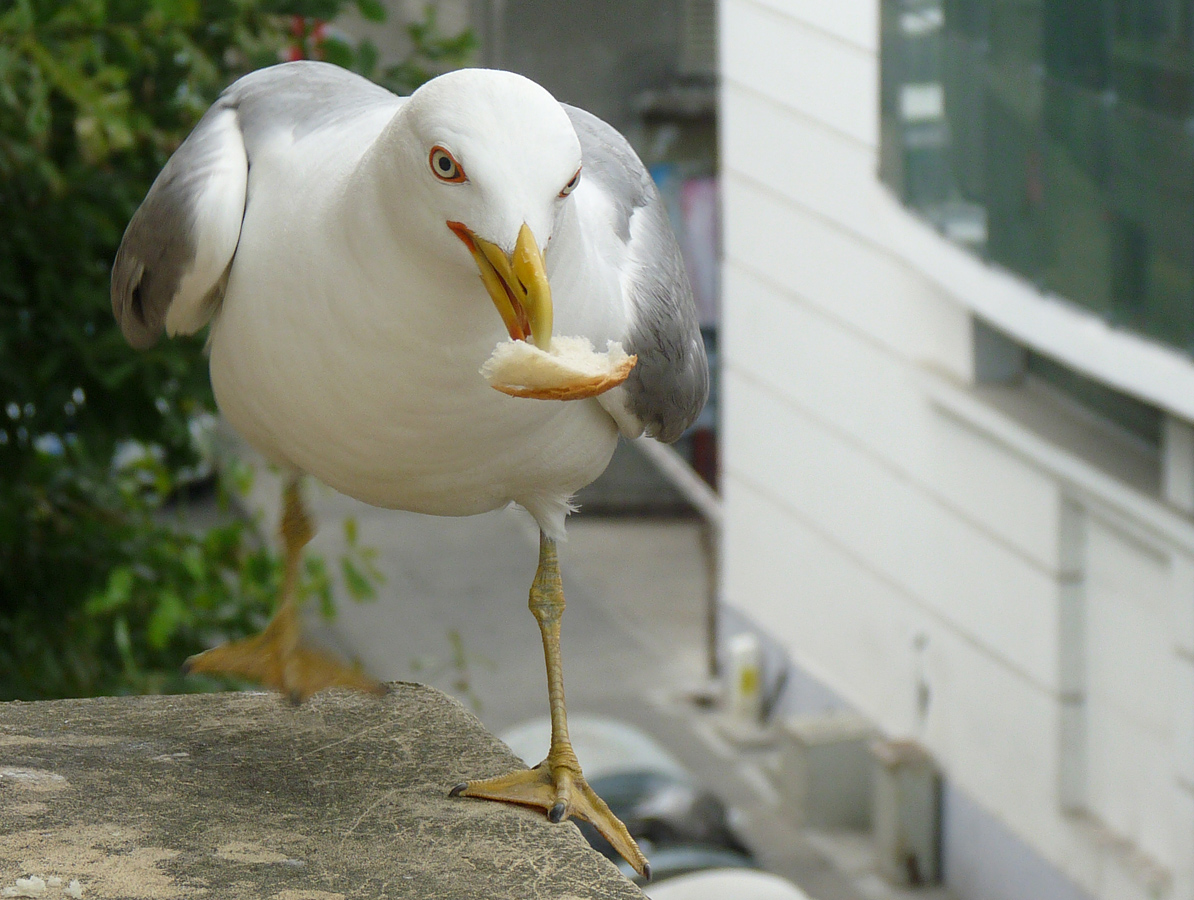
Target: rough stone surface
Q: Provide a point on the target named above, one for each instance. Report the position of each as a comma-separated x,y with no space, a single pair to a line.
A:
241,796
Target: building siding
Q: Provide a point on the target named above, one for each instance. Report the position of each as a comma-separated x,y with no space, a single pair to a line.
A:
891,539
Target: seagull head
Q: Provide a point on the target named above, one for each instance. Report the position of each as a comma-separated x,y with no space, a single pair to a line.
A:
492,159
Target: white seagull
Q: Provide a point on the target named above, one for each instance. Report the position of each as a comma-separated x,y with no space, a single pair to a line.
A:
332,234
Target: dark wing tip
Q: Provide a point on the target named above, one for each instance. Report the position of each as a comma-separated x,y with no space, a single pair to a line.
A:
139,324
679,394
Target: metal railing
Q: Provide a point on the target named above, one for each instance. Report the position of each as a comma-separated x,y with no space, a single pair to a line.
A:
684,478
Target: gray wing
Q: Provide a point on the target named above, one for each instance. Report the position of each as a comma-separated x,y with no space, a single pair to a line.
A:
173,262
668,387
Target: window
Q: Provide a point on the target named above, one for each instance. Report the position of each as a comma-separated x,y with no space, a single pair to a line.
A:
1054,138
1112,431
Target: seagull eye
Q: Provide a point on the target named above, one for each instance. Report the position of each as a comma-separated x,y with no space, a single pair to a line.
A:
571,185
445,167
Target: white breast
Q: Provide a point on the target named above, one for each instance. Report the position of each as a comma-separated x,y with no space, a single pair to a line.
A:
351,362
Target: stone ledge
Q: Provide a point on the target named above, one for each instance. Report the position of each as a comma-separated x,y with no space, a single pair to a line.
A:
241,796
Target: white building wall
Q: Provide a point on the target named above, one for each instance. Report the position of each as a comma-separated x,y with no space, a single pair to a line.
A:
897,528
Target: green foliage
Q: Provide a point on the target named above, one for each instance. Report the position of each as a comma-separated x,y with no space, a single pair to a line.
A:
116,592
102,587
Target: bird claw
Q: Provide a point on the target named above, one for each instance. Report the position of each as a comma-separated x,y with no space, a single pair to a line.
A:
296,672
562,792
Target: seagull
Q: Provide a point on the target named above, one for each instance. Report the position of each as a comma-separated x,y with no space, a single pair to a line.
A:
358,256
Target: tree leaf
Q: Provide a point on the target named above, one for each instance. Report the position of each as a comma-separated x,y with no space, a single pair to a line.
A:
360,587
116,594
165,620
372,10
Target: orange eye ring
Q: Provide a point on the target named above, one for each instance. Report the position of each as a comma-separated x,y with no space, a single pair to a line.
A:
445,167
571,185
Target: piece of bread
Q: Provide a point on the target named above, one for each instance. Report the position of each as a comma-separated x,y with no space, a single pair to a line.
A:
571,370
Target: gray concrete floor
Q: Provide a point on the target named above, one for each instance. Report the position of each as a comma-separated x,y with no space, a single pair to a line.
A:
633,644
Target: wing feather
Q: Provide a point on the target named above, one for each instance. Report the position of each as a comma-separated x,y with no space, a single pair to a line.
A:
174,259
668,387
172,262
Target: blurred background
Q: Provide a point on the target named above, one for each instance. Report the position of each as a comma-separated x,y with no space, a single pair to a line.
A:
910,610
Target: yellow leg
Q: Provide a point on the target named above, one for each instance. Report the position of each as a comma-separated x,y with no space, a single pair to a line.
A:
556,784
276,657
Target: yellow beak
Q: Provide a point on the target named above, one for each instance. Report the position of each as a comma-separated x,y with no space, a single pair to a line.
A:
517,284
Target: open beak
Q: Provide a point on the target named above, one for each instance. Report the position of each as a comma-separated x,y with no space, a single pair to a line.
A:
517,284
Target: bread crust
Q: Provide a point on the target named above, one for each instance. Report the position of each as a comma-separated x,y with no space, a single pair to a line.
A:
570,370
577,389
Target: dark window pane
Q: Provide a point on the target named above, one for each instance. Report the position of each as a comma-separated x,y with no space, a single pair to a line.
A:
1055,137
1141,420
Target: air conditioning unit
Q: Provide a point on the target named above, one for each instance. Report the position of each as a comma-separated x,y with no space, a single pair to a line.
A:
824,769
907,811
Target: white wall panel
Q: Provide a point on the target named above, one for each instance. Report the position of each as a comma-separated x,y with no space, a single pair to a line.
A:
863,516
1183,840
1005,605
1127,587
1121,878
862,389
853,21
995,734
809,164
1014,499
993,730
1130,686
803,68
1182,599
1131,781
824,367
841,621
864,287
1183,721
789,245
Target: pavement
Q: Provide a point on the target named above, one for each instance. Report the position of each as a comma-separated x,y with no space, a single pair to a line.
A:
451,612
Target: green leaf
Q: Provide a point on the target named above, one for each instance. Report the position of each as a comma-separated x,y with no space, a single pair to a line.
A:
338,52
165,620
372,10
194,563
367,57
318,583
124,642
358,585
116,594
